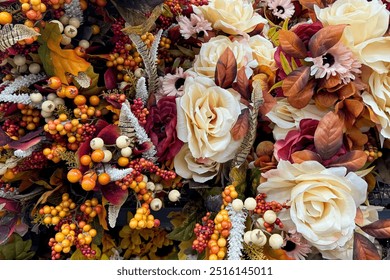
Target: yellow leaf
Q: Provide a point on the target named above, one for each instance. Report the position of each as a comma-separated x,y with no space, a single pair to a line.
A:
108,243
103,215
184,247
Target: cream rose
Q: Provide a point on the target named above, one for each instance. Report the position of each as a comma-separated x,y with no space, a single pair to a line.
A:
263,50
231,16
323,201
285,117
375,53
201,170
205,115
366,20
378,98
206,62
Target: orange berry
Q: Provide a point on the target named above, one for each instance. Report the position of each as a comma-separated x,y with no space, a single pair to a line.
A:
74,175
88,184
90,174
54,83
80,100
71,91
104,179
97,155
85,160
94,100
5,18
123,161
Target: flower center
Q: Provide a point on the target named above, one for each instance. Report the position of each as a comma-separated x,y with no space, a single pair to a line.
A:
328,59
290,246
179,83
280,9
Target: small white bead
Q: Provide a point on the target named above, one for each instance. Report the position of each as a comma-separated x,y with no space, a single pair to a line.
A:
260,223
237,205
36,97
64,20
126,152
59,23
107,156
174,195
48,106
19,60
250,203
96,143
34,68
122,141
84,44
156,204
70,31
275,241
75,22
65,40
269,216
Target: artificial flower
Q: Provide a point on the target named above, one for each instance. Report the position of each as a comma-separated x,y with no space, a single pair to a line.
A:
281,8
323,201
172,84
234,17
205,115
196,24
296,246
263,50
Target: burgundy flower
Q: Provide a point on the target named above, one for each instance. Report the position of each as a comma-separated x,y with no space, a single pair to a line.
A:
161,128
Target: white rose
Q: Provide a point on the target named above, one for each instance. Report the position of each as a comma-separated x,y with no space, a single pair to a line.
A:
375,53
206,61
285,117
378,98
323,201
366,20
233,17
201,170
205,115
263,50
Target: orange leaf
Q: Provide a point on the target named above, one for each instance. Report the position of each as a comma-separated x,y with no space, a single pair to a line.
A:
272,254
359,218
303,97
328,136
355,107
296,81
378,229
301,156
292,44
310,3
364,249
103,214
57,61
353,160
325,99
326,38
240,129
226,69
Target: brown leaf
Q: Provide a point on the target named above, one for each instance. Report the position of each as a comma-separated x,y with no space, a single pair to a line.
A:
301,156
355,107
347,90
296,81
359,218
272,254
243,86
379,229
357,138
328,136
292,44
353,160
310,3
325,99
240,129
326,38
363,248
226,69
302,98
268,103
45,196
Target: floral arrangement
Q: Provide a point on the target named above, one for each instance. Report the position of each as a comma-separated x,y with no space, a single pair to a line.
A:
193,129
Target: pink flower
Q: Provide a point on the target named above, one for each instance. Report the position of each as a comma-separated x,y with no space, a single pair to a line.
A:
172,84
296,246
196,24
281,8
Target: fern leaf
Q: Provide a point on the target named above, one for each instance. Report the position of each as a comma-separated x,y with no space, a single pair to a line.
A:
141,90
10,34
113,213
126,126
83,80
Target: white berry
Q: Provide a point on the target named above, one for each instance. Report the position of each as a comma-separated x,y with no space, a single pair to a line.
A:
122,141
64,20
174,195
126,152
156,204
19,60
34,68
58,101
96,143
107,156
59,23
46,114
260,223
84,44
70,31
48,106
250,203
36,97
269,216
51,96
150,186
237,204
258,237
75,22
158,187
275,241
23,68
65,40
247,237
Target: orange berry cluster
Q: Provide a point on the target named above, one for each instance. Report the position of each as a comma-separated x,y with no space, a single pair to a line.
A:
143,219
51,215
262,205
229,194
218,241
54,152
30,116
33,9
91,208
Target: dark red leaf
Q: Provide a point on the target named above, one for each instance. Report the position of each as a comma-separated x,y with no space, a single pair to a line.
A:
328,136
378,229
4,138
296,81
114,194
363,248
240,129
110,79
353,160
10,205
292,44
7,229
303,97
109,134
305,155
26,143
324,39
243,86
226,69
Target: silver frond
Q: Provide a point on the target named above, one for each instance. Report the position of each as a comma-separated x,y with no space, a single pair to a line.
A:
10,34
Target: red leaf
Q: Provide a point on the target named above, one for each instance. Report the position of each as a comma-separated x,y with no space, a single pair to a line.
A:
303,97
114,194
378,229
243,86
7,229
268,103
110,79
241,126
353,160
328,136
4,138
109,134
324,39
296,81
305,155
27,141
363,248
226,69
292,44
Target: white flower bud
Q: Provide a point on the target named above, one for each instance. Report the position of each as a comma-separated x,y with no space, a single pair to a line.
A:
174,195
156,204
96,143
48,106
269,216
237,204
122,141
250,203
258,237
275,241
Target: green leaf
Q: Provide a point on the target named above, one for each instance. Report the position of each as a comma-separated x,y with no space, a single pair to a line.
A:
16,249
238,176
100,231
93,89
285,65
276,85
186,230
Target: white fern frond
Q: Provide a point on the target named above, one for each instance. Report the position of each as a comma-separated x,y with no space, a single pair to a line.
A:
73,9
116,173
16,98
141,90
83,80
236,236
140,132
113,213
10,34
22,81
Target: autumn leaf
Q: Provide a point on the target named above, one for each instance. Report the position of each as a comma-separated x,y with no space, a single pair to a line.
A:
310,3
57,61
226,70
108,243
240,128
325,38
273,254
292,44
186,230
303,97
353,160
296,81
328,136
301,156
102,216
242,86
379,229
363,248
